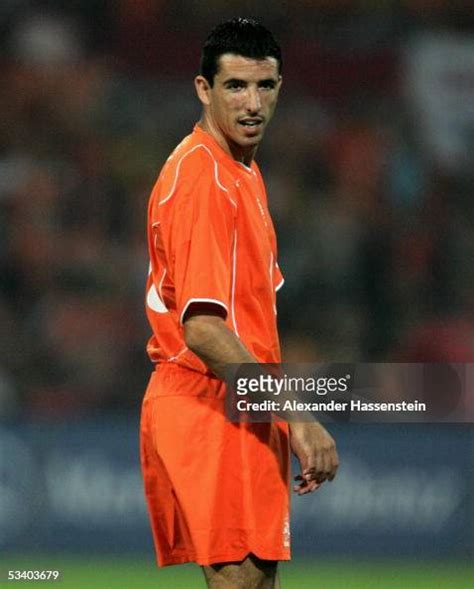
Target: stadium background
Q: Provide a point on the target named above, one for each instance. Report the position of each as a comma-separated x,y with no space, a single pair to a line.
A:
369,167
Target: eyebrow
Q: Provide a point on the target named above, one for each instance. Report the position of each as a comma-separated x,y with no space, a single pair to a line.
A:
234,81
240,81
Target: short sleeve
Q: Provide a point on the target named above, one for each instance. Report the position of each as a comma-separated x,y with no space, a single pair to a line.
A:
201,238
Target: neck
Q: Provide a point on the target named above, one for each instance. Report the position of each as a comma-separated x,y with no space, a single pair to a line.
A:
237,152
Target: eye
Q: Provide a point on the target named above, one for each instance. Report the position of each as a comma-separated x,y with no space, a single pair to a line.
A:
267,84
235,85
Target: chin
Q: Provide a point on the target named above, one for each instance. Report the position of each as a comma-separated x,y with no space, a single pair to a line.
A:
246,143
255,140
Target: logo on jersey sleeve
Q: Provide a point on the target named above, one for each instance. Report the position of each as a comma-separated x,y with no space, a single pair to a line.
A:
154,301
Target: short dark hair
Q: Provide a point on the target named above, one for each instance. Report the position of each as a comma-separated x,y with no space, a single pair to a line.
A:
241,36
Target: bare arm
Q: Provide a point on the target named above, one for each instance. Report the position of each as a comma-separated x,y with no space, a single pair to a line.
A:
216,345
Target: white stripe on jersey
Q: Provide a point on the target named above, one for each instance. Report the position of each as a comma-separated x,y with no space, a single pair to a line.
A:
216,174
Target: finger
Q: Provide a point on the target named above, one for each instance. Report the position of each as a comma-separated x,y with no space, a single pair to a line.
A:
298,488
316,474
301,483
312,477
305,486
309,472
309,488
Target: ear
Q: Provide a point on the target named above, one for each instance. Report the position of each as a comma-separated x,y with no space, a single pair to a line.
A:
203,90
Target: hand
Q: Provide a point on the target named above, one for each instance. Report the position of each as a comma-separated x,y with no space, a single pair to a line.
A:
316,451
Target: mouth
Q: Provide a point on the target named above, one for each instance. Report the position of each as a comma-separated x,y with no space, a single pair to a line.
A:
251,122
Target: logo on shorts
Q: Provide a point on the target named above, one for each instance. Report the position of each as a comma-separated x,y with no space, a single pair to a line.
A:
286,533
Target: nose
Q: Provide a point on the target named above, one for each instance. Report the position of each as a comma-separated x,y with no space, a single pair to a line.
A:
254,103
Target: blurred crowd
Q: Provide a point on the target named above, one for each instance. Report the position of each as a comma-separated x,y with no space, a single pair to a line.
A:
369,168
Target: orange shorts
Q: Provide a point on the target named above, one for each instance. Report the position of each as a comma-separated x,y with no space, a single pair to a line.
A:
216,490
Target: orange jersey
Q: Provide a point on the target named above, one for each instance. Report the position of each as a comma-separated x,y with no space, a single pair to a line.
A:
211,240
216,490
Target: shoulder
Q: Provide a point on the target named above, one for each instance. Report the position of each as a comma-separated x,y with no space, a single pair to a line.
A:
192,168
186,159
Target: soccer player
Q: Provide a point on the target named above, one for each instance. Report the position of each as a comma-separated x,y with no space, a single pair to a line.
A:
217,491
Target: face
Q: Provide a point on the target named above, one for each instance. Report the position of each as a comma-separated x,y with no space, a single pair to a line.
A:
241,101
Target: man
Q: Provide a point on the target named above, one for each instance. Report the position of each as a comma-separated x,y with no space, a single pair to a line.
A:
217,491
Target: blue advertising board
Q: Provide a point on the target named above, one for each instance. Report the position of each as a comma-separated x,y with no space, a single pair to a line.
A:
402,490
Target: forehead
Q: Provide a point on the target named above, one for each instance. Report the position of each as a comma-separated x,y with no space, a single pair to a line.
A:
246,68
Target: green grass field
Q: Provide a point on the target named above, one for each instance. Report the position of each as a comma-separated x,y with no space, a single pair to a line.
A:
125,573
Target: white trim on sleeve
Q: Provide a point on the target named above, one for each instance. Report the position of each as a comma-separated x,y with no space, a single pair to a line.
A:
278,286
191,301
